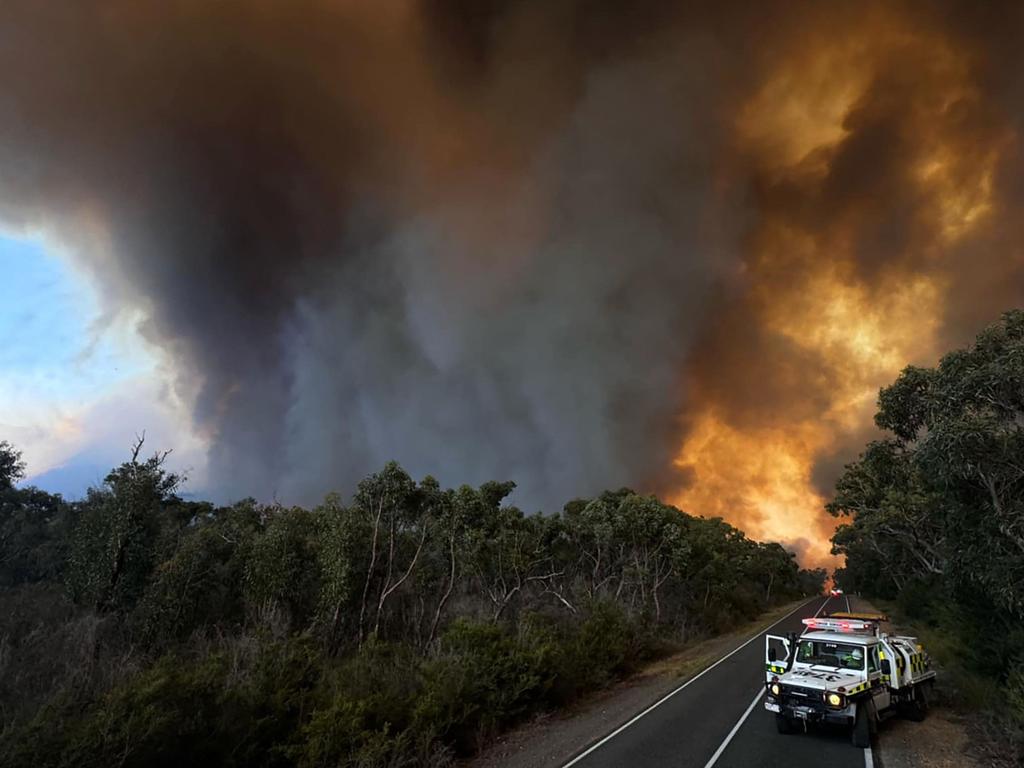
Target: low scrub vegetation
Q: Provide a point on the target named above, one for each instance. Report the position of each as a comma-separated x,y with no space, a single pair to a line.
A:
402,628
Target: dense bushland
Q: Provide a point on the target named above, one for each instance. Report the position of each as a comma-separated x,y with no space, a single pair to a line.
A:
141,629
935,512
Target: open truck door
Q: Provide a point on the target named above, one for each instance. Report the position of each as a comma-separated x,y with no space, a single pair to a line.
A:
777,650
878,684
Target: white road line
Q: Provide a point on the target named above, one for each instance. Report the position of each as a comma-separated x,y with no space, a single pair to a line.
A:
757,698
672,693
869,759
819,610
724,744
847,603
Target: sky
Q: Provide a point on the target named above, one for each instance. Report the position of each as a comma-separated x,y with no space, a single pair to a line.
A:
76,386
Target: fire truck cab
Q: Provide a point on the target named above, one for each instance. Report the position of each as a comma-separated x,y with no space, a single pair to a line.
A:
845,670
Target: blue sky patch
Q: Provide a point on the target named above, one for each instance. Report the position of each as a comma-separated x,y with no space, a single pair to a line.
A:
73,391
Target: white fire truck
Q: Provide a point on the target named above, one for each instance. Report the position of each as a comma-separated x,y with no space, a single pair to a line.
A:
845,670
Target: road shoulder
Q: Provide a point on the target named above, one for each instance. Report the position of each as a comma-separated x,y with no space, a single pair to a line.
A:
552,739
940,741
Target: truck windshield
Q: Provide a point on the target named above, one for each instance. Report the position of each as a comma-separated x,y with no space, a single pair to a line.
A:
839,655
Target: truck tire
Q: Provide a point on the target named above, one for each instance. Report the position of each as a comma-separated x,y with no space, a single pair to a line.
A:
783,724
918,709
860,734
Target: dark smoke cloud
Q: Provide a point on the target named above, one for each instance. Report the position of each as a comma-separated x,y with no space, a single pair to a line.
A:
492,239
364,233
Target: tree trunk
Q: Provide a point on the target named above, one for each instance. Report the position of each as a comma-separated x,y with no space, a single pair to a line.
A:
387,592
369,571
447,594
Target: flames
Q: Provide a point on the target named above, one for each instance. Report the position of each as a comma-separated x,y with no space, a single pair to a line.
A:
761,477
845,328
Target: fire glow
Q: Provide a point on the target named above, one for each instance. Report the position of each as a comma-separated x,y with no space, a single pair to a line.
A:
806,285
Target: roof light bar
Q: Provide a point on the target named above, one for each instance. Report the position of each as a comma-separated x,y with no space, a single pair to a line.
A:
839,625
857,615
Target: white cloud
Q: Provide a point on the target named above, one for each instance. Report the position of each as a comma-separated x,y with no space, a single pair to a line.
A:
100,433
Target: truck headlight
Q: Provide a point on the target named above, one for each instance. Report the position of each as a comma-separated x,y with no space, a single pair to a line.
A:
835,700
775,689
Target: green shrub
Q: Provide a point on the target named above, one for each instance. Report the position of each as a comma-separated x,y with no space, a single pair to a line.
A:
344,735
483,679
234,707
1015,690
606,645
363,713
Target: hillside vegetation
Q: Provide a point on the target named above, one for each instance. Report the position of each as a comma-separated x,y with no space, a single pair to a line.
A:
401,628
934,518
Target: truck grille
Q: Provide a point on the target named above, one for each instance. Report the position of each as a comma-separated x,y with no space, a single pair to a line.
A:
801,697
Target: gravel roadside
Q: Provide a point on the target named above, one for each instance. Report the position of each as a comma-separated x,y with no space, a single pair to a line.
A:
940,741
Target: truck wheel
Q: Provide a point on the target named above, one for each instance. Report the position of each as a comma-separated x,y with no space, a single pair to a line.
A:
861,732
783,724
918,709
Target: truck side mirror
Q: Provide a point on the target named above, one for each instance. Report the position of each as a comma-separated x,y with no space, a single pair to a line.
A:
772,655
886,667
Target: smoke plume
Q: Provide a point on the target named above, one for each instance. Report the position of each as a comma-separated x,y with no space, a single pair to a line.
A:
579,245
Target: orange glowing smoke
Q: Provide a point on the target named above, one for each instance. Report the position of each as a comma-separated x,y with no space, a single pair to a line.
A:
844,330
761,477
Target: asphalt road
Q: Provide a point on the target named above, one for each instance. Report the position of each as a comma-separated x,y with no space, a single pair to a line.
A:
717,718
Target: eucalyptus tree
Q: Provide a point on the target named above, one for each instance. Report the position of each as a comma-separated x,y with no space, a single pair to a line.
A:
114,543
280,572
944,497
12,467
508,553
